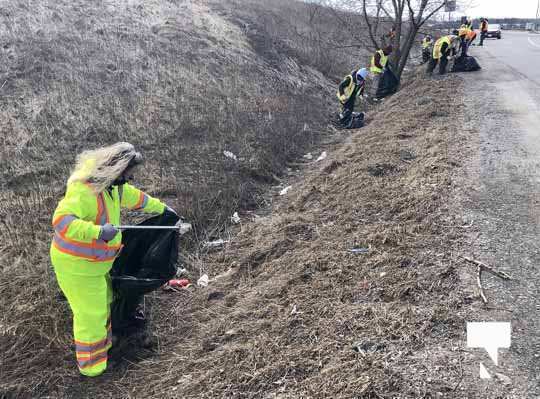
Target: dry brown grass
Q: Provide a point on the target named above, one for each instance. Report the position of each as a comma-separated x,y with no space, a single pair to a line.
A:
183,81
285,321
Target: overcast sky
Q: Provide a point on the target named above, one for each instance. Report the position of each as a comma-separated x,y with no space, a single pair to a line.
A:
503,8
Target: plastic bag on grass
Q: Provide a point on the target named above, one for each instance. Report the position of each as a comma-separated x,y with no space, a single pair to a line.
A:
147,261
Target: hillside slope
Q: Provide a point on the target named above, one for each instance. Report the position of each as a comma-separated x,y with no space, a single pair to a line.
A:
292,312
183,81
295,313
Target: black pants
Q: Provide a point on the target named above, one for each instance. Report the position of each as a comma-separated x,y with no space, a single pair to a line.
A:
443,62
482,37
426,55
464,47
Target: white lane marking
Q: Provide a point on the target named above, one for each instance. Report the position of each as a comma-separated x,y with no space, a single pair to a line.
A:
532,42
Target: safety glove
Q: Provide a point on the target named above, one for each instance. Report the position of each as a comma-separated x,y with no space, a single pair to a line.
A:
107,232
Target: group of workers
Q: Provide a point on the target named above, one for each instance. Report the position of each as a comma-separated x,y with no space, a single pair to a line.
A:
87,239
447,47
354,86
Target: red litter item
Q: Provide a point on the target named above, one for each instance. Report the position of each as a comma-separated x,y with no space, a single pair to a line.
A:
178,283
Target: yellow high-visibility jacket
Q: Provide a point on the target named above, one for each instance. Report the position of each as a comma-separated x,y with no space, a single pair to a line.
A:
348,90
426,43
76,247
384,61
438,45
464,30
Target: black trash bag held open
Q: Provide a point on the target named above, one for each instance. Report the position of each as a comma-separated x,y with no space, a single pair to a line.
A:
388,84
147,261
465,64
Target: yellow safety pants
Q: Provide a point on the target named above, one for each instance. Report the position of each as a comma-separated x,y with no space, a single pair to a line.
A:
89,298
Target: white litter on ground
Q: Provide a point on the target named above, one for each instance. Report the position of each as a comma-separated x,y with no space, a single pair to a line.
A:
285,190
322,157
229,154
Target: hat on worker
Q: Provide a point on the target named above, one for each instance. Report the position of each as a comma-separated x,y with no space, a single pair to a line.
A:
362,73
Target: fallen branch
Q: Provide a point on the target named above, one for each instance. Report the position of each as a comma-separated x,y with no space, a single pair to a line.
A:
480,268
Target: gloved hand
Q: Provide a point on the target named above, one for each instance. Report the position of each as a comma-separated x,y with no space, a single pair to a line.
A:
108,232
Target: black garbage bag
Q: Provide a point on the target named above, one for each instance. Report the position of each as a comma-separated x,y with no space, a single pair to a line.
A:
388,84
147,261
351,120
465,64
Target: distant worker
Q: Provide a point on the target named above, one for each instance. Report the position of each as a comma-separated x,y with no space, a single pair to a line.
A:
484,26
444,48
463,33
471,37
87,240
379,63
352,86
427,45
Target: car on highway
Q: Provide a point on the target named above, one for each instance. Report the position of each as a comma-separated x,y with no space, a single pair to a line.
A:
494,30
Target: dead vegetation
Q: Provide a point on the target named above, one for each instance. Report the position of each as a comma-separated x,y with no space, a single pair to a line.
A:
296,313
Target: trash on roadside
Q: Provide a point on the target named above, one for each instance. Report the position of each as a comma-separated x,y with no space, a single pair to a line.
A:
184,228
181,272
203,281
359,250
383,274
285,190
215,243
367,346
308,156
235,218
230,155
322,157
179,283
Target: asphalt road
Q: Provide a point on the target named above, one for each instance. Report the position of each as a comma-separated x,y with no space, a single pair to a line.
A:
520,51
500,199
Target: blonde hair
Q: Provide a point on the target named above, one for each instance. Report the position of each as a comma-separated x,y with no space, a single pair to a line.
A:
101,167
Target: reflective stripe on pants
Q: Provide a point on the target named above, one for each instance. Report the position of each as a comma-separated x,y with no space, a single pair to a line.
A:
89,298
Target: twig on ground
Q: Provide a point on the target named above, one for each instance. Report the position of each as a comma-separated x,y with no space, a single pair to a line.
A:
480,268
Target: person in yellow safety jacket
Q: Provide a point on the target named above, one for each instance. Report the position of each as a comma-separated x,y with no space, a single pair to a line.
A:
379,62
427,44
484,27
86,241
443,48
352,86
462,34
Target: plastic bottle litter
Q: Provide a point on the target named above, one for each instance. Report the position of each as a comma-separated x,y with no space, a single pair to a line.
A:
308,156
203,281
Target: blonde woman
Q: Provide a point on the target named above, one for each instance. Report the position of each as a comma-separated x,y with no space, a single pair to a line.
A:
86,242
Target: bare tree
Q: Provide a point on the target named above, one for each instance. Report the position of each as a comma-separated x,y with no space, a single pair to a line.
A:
395,22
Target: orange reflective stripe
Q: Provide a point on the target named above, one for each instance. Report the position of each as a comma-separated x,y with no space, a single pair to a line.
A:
62,222
102,357
143,200
87,251
81,346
